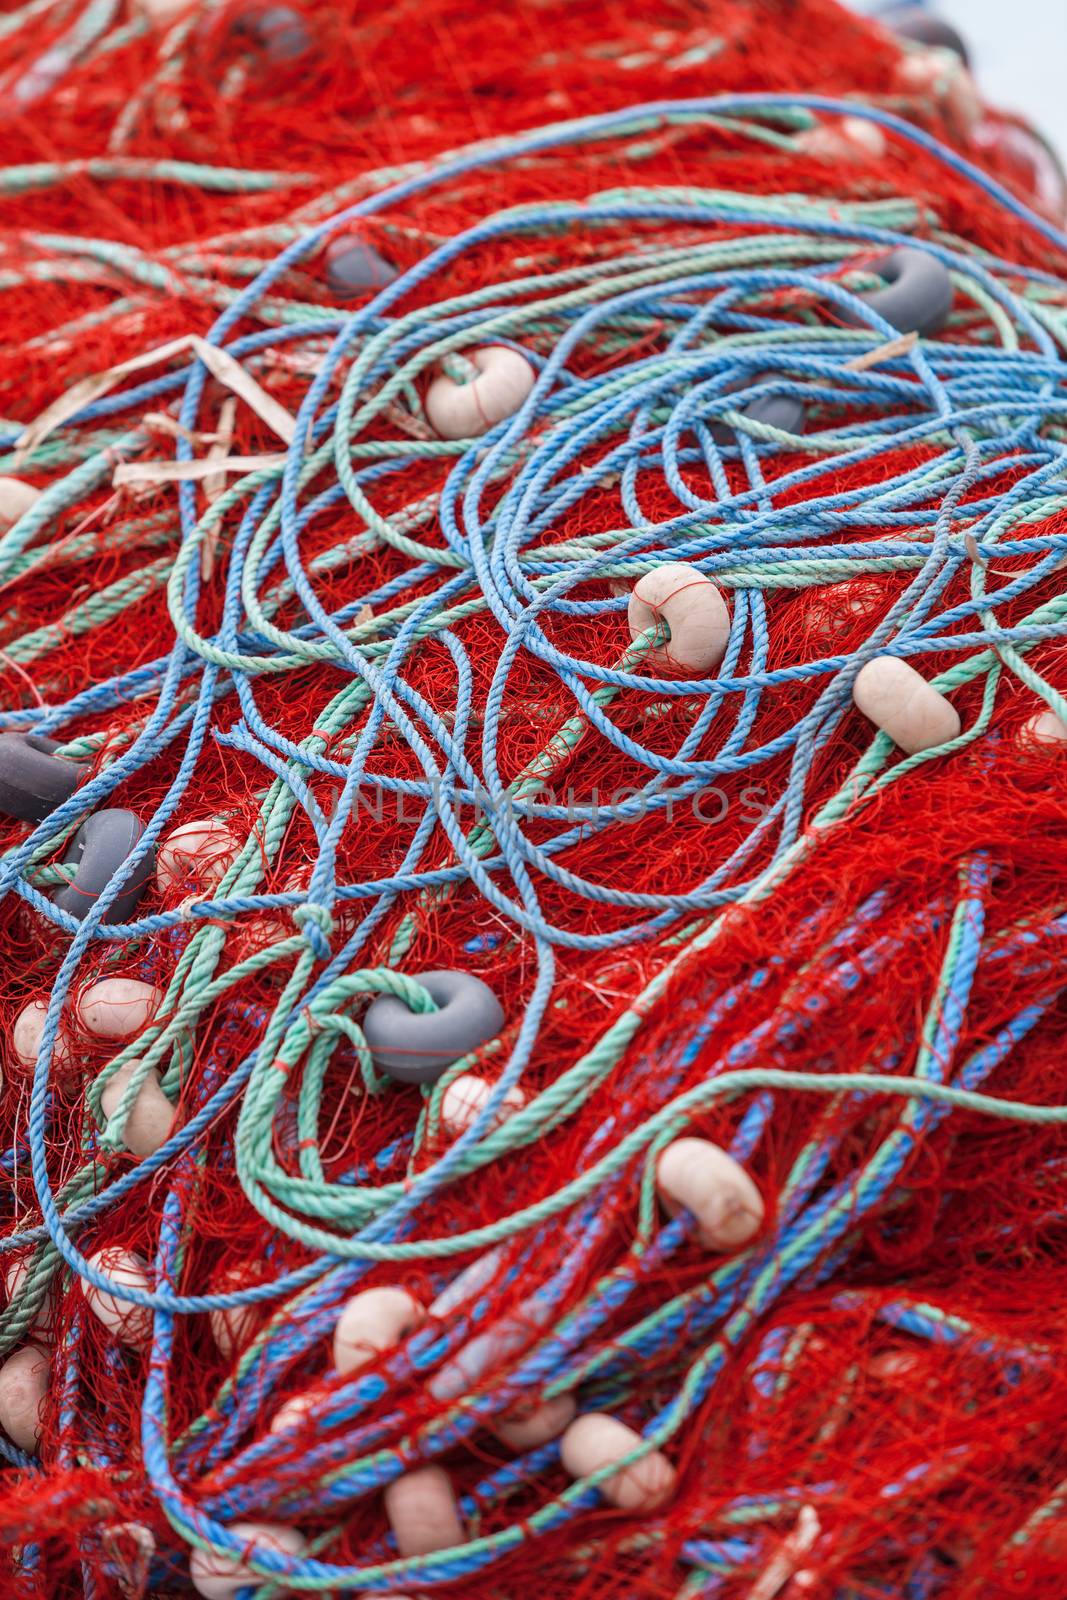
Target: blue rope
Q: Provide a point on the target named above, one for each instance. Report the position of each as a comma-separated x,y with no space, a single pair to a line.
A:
967,408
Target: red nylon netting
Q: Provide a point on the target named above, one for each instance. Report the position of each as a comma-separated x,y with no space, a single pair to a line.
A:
943,1454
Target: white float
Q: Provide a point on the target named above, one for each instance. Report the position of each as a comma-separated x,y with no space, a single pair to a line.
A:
422,1512
161,13
706,1180
15,1274
907,708
16,498
200,853
23,1388
293,1412
465,410
1045,728
118,1008
528,1428
26,1037
131,1324
236,1327
596,1440
372,1321
940,74
693,609
843,139
467,1096
150,1118
218,1577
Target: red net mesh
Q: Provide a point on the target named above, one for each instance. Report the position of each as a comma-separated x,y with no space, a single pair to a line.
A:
891,1425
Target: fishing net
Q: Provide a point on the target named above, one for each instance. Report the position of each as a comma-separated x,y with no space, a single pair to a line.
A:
387,678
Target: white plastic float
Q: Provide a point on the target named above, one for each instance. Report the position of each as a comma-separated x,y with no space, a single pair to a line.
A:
23,1389
150,1118
16,498
197,853
467,1096
118,1008
131,1324
704,1179
372,1321
422,1512
595,1440
218,1577
465,410
907,708
693,609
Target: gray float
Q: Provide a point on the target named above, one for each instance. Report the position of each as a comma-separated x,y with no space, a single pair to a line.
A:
101,845
782,411
415,1047
279,31
353,268
918,293
915,22
33,779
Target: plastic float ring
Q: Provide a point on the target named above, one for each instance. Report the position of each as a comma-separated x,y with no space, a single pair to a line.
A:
415,1048
279,31
923,27
23,1389
693,609
594,1440
354,268
464,410
918,293
782,411
33,779
907,708
99,847
16,498
217,1577
422,1511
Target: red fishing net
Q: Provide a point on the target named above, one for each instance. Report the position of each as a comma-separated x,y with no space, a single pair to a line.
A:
828,967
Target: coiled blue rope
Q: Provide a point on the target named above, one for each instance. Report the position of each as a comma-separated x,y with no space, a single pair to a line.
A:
973,406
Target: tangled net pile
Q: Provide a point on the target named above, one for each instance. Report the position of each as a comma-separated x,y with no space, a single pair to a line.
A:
393,672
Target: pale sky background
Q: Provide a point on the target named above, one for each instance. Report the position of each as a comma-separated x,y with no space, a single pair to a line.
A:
1019,51
1019,55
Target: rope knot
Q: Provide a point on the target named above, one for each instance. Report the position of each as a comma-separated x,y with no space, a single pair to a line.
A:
316,924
